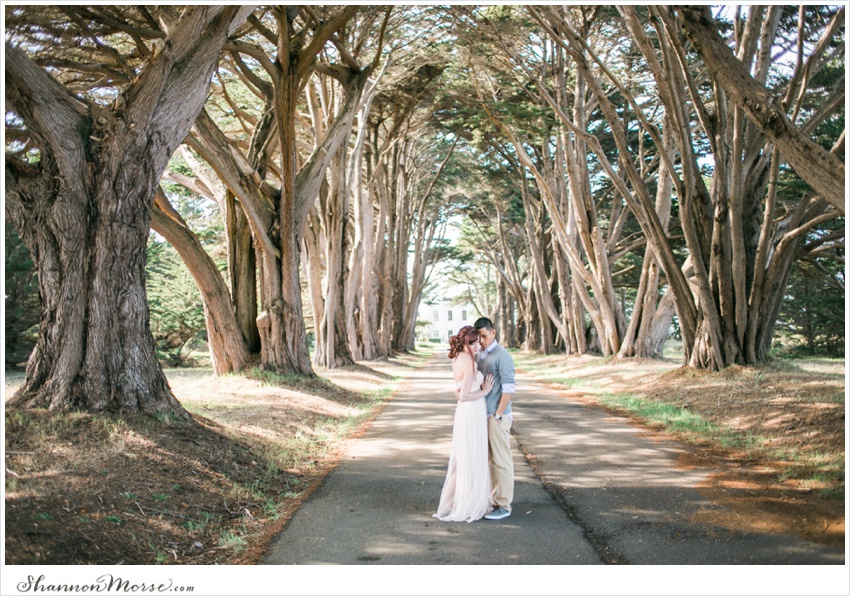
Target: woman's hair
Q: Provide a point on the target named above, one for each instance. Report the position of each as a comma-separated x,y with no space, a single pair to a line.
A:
467,335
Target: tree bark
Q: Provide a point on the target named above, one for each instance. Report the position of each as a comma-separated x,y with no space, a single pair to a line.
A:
649,324
242,264
334,350
86,214
281,322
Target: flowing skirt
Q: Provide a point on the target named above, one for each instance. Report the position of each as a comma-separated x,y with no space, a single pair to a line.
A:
466,491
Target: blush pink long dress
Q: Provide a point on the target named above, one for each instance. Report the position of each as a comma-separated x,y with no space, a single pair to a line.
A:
466,491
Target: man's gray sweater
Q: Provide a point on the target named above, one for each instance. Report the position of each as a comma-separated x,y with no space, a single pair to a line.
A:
498,362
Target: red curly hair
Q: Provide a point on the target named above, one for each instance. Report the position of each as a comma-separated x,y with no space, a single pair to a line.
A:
467,336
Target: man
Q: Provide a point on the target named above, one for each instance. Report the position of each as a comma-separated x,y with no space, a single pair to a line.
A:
495,360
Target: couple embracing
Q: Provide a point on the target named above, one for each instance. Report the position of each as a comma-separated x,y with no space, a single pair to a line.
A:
480,479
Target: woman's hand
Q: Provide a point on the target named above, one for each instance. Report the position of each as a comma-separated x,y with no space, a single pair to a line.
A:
489,381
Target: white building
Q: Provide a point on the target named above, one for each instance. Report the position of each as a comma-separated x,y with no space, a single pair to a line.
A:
444,320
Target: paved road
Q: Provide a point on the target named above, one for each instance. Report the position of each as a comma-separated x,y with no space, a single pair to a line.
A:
611,495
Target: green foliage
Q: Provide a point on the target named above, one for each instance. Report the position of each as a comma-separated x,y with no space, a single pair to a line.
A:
176,307
809,321
22,307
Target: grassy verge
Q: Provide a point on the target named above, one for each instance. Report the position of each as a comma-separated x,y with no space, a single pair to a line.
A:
787,415
113,489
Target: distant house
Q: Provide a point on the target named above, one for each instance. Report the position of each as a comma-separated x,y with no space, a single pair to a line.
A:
444,320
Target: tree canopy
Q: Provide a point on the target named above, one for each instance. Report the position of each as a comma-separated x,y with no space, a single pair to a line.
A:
615,172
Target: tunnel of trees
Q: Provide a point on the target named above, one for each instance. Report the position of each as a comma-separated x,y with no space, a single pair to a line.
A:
276,177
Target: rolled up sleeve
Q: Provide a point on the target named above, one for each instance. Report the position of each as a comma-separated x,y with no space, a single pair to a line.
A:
508,373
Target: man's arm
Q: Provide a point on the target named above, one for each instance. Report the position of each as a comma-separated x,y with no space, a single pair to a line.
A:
508,376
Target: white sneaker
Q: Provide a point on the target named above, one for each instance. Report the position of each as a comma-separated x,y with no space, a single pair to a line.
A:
500,513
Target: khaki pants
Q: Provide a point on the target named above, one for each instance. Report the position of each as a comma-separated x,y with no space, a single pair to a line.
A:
501,461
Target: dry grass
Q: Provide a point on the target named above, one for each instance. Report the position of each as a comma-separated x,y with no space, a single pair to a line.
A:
775,433
83,489
109,489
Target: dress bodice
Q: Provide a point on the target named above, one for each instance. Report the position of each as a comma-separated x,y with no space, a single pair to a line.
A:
476,384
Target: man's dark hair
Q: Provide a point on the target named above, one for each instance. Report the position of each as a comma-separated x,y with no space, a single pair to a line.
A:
483,323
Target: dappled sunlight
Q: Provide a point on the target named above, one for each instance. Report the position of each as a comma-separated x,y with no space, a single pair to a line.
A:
628,483
827,366
226,395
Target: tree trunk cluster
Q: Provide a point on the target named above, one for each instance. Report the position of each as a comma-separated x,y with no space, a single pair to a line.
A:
726,290
588,131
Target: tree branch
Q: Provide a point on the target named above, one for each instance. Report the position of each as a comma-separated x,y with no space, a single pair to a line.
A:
49,110
323,33
823,171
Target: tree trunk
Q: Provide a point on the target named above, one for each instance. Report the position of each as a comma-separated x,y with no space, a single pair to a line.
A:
242,264
368,287
227,347
652,339
533,224
641,339
95,351
311,258
335,350
92,198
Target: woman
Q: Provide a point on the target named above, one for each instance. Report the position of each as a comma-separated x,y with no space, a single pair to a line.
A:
466,492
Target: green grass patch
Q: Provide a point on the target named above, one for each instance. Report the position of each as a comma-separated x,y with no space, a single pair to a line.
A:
272,508
813,469
810,469
682,421
673,418
206,523
159,555
232,540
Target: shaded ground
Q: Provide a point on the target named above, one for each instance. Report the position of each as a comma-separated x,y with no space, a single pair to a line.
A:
84,489
109,489
777,439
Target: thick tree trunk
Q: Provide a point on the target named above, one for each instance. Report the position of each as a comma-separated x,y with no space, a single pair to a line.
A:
367,307
368,287
283,319
95,351
86,217
335,351
359,288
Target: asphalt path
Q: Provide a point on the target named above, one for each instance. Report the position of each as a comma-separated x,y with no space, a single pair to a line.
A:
600,492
